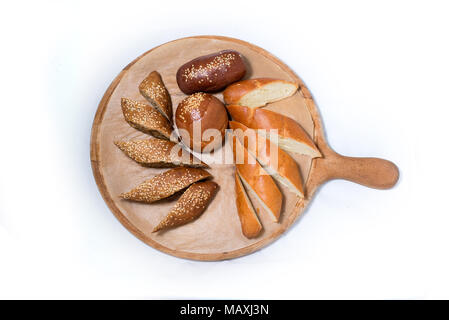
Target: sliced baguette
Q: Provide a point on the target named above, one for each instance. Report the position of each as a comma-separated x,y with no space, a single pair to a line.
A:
275,161
257,181
146,119
190,205
158,153
290,137
256,93
165,184
249,221
153,89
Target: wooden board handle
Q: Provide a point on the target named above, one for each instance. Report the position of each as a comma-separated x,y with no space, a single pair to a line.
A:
371,172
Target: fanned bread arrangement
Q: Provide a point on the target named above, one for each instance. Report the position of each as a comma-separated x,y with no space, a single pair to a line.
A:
261,141
271,133
159,152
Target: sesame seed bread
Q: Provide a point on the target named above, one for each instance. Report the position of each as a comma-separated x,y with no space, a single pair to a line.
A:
249,221
257,181
165,184
190,205
207,111
146,119
211,73
154,90
290,135
276,162
158,153
256,93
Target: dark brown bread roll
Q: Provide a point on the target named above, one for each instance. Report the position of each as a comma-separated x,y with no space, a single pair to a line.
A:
201,109
211,73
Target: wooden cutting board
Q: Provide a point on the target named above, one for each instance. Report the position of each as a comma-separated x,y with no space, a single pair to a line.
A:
216,235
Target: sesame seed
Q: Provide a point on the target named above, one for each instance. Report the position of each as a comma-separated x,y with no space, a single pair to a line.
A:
165,184
154,90
145,118
221,62
190,106
157,153
189,206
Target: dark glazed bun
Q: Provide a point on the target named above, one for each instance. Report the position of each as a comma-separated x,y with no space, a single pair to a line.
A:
211,73
203,111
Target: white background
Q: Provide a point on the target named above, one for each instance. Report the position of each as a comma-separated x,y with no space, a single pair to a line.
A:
379,73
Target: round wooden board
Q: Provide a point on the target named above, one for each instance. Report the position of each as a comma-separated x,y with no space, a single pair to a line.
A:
216,235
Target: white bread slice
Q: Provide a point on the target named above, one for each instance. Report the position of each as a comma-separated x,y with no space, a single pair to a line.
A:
275,161
257,181
249,221
256,93
290,137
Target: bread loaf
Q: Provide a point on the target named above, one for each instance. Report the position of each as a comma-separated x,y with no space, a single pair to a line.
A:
146,119
154,90
190,205
206,112
290,135
165,184
255,93
211,73
249,221
276,162
158,153
257,181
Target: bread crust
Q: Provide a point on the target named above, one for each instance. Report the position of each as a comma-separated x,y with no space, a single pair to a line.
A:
165,184
211,73
145,118
157,153
205,110
234,93
258,180
152,88
266,119
272,158
190,205
249,221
